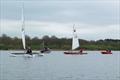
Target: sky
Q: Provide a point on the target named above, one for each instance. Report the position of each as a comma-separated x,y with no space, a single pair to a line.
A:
93,19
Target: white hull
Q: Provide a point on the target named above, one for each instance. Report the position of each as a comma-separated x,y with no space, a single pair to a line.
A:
40,54
28,55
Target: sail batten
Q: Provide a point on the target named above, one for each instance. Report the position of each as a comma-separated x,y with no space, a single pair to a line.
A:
75,41
23,28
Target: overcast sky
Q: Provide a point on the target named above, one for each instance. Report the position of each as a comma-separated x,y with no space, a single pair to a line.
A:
94,19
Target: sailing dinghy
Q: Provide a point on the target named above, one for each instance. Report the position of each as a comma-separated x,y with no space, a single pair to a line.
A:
106,52
23,37
75,44
45,49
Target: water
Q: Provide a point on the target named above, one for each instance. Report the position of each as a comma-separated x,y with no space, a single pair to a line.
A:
57,66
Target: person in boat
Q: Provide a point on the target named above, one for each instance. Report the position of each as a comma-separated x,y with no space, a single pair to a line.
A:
29,51
108,50
81,50
45,49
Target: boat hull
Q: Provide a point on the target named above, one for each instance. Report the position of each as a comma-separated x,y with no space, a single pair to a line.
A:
23,53
40,54
45,51
28,55
74,53
103,52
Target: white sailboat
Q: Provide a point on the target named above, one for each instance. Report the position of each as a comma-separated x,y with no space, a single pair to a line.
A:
75,43
23,36
23,33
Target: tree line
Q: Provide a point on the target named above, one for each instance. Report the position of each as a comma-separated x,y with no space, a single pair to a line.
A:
56,43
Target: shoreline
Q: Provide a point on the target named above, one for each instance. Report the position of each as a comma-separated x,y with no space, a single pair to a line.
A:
57,50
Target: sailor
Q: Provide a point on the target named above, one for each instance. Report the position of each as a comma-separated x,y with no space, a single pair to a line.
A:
29,51
108,50
45,48
81,50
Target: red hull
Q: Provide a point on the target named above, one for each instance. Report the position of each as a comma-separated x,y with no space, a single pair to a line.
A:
106,52
74,53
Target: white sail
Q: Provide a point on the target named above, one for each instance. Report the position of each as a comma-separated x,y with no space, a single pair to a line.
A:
23,29
75,41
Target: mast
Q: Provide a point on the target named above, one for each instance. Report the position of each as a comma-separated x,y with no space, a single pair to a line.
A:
43,44
75,40
23,28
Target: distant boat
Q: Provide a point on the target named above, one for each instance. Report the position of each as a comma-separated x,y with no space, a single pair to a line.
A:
106,52
75,44
45,49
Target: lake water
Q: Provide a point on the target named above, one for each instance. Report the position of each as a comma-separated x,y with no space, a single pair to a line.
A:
58,66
